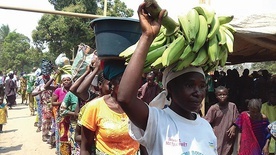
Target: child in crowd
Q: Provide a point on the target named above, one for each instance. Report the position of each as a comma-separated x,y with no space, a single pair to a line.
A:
222,116
3,113
150,89
253,137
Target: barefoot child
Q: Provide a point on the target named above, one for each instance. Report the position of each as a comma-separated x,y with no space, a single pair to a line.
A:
3,113
221,116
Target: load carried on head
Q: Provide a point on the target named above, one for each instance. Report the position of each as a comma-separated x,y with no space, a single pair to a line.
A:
198,38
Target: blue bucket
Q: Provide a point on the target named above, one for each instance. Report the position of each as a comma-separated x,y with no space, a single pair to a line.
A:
114,34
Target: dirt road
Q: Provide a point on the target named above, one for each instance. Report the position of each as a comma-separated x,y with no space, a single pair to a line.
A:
19,135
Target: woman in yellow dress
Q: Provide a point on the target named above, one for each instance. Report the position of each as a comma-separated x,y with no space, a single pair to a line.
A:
104,123
3,113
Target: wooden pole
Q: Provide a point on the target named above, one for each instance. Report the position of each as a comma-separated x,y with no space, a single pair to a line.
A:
105,7
81,15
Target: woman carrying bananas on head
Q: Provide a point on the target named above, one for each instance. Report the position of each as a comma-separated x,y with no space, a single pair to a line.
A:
177,128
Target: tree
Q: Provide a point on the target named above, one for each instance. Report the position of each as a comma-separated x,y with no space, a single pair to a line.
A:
4,31
14,48
269,65
64,34
115,9
90,5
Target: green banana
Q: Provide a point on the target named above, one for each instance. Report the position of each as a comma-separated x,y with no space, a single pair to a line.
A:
154,54
184,25
212,49
223,58
211,67
159,37
214,28
160,41
193,27
206,11
229,40
230,28
127,53
185,62
225,19
147,69
201,58
229,44
173,52
201,35
228,32
185,53
157,64
221,36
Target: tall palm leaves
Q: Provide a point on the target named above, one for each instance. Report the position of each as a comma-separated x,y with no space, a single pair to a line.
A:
4,31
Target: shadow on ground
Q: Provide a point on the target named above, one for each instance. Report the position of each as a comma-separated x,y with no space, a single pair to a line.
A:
18,108
9,149
6,131
19,117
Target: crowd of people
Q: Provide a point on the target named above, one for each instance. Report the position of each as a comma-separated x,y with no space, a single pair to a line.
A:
117,109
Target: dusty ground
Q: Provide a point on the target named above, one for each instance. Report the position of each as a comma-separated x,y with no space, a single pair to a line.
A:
20,136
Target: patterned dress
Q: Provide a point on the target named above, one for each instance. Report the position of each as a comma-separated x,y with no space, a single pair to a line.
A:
3,113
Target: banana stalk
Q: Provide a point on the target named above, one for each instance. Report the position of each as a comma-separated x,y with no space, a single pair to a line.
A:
154,9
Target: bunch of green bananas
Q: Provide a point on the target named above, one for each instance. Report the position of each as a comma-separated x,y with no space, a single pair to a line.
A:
209,36
201,39
162,51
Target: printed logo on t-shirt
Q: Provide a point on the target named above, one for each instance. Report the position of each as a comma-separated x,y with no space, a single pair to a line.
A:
175,142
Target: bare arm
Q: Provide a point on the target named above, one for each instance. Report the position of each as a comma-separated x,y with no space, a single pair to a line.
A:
81,86
54,100
36,93
266,147
49,86
87,141
77,84
239,142
231,131
127,94
78,135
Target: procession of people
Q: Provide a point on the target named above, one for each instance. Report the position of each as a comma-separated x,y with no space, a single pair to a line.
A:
109,108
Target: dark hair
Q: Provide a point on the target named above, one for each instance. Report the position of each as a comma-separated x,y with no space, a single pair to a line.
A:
220,88
100,77
115,81
151,74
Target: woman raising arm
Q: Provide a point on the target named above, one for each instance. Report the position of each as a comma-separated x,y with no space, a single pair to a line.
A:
177,128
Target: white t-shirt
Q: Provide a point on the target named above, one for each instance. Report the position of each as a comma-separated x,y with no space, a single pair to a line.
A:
168,133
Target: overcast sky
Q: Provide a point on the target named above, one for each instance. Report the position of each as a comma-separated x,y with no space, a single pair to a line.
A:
25,22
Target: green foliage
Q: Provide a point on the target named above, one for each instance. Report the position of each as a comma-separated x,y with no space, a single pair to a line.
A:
4,31
90,5
269,65
64,33
14,48
115,8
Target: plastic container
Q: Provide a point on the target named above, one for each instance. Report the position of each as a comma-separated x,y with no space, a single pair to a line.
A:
114,34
